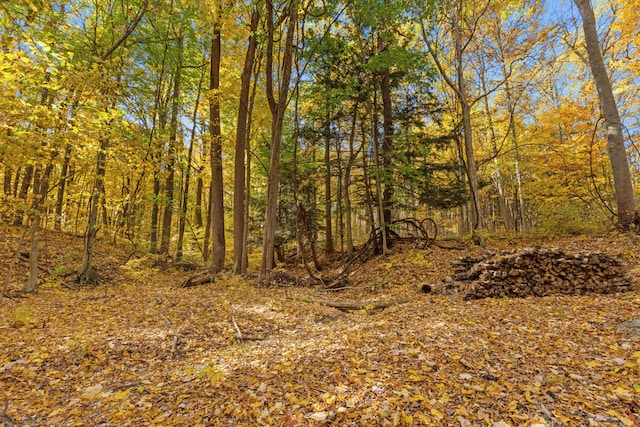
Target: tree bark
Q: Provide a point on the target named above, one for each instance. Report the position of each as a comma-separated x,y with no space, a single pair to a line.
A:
24,190
197,220
617,153
187,174
278,108
239,184
217,190
58,222
387,141
328,243
169,189
87,273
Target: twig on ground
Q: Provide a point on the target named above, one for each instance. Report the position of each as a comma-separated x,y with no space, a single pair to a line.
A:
356,305
6,418
176,337
235,325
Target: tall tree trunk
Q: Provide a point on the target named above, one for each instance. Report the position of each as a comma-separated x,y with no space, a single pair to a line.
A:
470,161
617,153
59,221
496,175
87,273
187,174
366,177
239,184
328,243
207,229
247,194
155,213
24,191
169,189
7,180
387,141
278,108
217,190
347,183
197,219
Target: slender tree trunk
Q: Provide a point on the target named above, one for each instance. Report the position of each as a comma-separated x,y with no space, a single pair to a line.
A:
387,141
87,273
187,174
366,176
278,108
197,220
32,281
472,171
167,218
617,153
496,175
62,187
239,185
7,180
217,189
378,174
247,195
207,229
328,244
155,213
347,183
24,191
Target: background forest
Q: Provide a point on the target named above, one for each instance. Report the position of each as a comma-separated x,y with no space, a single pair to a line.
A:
216,130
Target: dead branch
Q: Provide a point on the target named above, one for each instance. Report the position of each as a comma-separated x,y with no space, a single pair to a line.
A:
355,305
201,278
176,337
6,418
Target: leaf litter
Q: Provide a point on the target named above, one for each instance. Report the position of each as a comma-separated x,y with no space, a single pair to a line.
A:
142,351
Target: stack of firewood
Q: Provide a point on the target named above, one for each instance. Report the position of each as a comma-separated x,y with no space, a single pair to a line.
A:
538,272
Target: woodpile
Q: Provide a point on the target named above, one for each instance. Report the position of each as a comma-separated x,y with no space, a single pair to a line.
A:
536,272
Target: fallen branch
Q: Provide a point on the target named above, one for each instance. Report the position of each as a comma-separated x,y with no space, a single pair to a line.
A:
241,337
199,279
355,305
176,337
6,418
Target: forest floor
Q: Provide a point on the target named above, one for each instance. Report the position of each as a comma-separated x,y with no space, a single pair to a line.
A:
140,350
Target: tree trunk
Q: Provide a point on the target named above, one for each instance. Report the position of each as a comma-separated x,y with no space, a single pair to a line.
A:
217,190
496,175
169,189
7,180
24,190
470,161
59,221
197,220
347,183
387,141
155,213
32,281
278,108
87,273
187,174
617,153
247,195
239,183
328,244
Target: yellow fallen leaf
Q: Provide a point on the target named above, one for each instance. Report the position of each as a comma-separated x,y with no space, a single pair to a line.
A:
92,392
319,416
439,415
120,395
